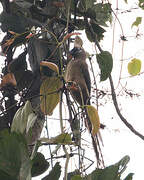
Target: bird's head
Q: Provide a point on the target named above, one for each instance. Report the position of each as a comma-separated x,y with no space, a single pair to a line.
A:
78,53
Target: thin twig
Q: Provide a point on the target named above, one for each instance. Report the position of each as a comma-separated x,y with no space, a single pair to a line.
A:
62,131
119,113
113,92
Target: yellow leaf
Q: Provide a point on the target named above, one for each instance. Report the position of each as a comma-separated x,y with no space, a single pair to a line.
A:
134,67
63,138
51,65
49,91
94,118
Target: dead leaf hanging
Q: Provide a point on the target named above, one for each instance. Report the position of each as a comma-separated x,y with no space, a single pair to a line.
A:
8,79
94,118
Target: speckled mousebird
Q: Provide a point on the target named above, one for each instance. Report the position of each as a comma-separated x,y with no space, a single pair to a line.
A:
77,72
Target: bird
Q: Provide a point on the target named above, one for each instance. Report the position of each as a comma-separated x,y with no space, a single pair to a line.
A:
77,74
78,77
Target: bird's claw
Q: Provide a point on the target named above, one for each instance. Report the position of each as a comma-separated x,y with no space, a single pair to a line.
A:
72,85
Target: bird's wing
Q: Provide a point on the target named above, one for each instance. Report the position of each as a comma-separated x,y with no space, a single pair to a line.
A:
86,75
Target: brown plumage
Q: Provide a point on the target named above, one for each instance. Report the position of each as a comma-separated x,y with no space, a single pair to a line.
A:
77,72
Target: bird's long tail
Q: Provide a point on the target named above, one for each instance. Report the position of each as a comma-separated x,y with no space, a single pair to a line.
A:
96,143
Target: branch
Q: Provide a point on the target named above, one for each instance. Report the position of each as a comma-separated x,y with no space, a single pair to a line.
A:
113,90
119,113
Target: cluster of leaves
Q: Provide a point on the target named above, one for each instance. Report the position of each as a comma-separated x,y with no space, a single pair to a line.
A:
15,163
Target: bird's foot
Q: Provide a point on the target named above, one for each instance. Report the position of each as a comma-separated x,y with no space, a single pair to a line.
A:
72,85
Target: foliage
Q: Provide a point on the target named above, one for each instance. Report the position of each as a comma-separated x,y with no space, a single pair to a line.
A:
134,67
112,172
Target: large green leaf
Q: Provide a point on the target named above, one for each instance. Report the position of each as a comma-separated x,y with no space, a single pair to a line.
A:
54,173
103,13
112,172
129,176
39,165
105,62
10,154
98,30
21,118
14,156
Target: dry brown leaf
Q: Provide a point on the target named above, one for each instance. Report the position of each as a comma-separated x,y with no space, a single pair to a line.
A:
51,65
8,79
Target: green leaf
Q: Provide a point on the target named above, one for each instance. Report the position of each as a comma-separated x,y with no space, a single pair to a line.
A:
30,122
75,174
20,119
14,156
76,177
112,172
103,13
50,94
134,67
129,176
137,22
141,4
26,164
10,158
125,1
64,138
89,34
98,30
95,175
80,24
105,62
5,176
84,5
54,173
39,165
89,3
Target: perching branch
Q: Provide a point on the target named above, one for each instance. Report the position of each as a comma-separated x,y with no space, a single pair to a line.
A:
113,90
119,113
